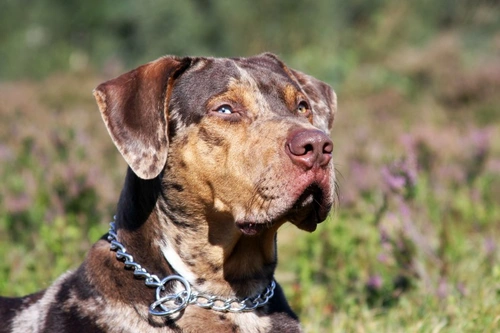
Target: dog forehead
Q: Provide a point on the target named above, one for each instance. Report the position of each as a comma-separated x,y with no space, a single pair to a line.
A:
213,75
263,76
270,75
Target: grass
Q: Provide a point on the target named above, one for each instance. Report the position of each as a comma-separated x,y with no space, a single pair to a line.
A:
412,245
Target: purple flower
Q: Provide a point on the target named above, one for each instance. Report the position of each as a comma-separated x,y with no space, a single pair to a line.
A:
442,289
480,139
490,246
375,282
394,182
383,258
400,177
462,289
17,204
5,153
480,147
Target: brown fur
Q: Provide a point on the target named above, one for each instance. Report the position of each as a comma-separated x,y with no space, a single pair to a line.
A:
204,196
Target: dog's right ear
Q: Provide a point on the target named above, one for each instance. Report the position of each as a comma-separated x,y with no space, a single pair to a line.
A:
134,109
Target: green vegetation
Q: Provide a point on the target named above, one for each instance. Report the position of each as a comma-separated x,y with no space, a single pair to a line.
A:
413,243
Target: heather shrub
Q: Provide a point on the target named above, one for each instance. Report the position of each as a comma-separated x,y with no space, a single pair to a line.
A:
412,243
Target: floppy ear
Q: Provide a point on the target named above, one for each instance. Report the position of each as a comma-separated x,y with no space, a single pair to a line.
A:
134,109
322,98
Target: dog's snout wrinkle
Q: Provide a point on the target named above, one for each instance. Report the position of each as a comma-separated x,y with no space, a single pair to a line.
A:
309,148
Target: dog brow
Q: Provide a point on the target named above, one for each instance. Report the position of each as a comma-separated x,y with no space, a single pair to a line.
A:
258,99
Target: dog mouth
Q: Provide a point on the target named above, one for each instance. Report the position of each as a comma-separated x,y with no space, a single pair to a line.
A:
252,228
311,196
309,209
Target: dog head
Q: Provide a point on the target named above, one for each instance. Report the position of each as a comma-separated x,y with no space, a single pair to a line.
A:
240,139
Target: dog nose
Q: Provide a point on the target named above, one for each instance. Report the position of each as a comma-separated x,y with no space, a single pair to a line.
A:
309,148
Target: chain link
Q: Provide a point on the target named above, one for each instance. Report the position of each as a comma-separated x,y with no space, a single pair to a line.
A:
168,304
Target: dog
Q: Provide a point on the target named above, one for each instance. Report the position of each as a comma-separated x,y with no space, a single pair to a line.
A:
221,152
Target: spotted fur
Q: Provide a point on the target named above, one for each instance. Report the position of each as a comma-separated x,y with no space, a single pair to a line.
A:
204,195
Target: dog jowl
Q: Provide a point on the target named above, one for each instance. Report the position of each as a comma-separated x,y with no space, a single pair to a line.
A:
221,153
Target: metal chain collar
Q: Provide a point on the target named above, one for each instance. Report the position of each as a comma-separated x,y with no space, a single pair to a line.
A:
169,304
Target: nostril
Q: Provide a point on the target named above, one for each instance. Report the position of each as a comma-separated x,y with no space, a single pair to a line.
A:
328,148
300,148
308,148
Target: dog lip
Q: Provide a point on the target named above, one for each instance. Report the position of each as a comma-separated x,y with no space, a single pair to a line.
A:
314,203
313,195
251,228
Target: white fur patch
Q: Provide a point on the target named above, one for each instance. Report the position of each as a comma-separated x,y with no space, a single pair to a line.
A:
176,262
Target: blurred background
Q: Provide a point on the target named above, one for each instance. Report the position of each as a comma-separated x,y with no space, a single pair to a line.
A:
413,243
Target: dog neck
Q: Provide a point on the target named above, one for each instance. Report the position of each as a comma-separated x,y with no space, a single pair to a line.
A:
205,248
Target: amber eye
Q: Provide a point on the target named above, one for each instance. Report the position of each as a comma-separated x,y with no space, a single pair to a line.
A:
225,109
302,108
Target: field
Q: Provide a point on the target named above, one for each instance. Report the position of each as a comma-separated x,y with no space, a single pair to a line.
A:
413,242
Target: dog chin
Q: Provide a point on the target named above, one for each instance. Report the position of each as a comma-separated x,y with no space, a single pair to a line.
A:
308,225
311,221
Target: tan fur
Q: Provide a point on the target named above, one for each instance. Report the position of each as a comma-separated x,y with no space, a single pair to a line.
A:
225,187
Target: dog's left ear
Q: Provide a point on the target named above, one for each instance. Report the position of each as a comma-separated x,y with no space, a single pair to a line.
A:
134,109
322,98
